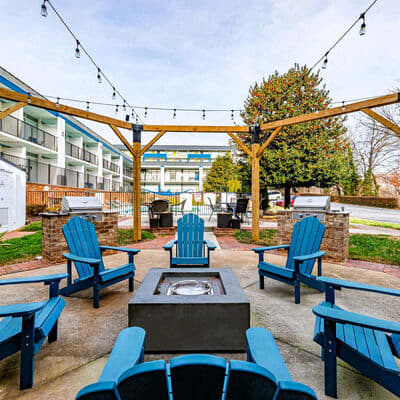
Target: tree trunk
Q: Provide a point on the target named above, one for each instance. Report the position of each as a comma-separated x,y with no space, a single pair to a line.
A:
287,196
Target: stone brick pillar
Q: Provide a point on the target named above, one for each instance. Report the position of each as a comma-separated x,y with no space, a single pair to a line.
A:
53,242
336,238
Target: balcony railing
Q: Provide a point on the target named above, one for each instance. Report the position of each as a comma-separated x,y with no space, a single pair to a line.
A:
16,127
128,172
47,174
81,154
111,166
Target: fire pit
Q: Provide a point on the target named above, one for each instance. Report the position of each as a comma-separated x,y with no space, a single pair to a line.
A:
191,309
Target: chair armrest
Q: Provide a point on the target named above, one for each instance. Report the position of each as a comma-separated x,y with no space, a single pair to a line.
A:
262,249
102,388
34,279
301,259
210,244
125,249
338,283
170,244
347,317
90,261
300,388
18,310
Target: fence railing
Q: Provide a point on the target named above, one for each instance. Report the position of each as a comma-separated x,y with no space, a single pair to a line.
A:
122,202
18,128
111,166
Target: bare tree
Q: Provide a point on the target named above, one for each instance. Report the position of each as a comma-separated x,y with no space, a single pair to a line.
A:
376,149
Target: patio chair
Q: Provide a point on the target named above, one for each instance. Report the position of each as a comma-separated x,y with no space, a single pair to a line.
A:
190,245
214,208
302,252
86,254
369,345
240,208
156,208
24,327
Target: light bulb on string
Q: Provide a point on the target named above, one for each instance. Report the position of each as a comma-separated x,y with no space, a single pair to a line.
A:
137,119
325,63
204,115
77,51
232,116
174,115
145,112
58,102
116,109
43,9
114,95
99,75
87,107
343,107
29,97
124,106
363,27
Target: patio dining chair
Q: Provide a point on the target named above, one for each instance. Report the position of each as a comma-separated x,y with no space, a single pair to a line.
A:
214,208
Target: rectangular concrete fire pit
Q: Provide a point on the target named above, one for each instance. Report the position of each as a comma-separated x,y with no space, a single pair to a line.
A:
215,321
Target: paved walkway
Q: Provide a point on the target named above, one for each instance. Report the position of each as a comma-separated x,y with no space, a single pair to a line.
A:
62,368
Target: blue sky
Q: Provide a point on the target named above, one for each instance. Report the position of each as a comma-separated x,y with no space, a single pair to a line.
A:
197,54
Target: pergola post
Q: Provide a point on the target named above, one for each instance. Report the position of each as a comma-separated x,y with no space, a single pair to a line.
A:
255,182
137,186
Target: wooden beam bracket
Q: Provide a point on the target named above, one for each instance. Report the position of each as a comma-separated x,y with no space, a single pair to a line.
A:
11,109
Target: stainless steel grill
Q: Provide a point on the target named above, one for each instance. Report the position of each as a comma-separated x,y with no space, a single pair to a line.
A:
89,207
305,206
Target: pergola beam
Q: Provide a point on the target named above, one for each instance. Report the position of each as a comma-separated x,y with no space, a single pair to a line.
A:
122,138
11,109
382,120
194,128
268,141
336,111
67,110
240,144
152,141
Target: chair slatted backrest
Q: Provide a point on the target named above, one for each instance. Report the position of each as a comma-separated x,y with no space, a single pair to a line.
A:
81,239
190,236
306,239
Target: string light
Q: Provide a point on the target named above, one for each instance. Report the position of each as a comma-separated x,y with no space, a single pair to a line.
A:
363,28
43,9
325,63
124,106
116,109
87,107
145,112
174,116
77,51
114,95
99,75
343,107
232,116
29,97
204,115
58,102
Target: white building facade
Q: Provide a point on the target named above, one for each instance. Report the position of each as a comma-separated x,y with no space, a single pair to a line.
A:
55,149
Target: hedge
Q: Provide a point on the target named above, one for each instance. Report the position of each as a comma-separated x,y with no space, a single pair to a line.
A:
384,202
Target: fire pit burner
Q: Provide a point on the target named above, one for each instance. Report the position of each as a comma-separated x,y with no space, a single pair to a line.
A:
190,288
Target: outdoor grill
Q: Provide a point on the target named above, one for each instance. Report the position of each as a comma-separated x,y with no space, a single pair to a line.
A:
89,207
305,206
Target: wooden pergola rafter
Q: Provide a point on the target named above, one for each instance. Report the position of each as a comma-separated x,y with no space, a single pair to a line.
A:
255,150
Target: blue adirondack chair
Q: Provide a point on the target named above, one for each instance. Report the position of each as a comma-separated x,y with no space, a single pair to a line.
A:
302,252
192,376
86,254
190,246
359,340
264,352
24,327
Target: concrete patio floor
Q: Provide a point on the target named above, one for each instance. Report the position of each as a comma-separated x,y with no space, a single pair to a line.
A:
86,335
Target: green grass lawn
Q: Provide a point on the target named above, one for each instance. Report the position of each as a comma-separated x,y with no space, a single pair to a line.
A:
383,249
24,248
267,237
374,223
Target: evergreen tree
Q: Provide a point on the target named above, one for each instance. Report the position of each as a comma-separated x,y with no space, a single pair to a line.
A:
314,153
222,176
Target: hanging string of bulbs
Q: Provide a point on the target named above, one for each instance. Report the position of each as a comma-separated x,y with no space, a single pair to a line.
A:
362,32
100,73
135,115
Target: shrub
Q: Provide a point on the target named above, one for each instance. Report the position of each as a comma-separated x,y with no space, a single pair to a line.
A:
384,202
33,227
33,210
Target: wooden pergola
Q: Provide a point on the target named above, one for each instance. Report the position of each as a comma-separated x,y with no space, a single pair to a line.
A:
255,150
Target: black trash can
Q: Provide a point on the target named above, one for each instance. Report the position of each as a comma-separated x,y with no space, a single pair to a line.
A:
153,222
166,220
224,220
235,223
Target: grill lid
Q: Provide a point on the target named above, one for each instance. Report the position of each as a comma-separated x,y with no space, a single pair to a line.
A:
322,203
78,203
